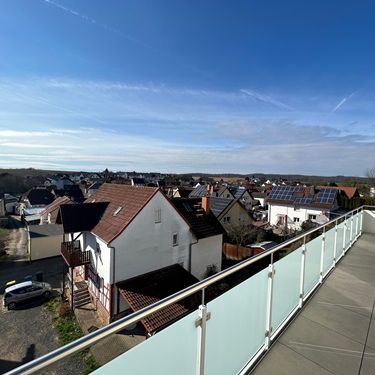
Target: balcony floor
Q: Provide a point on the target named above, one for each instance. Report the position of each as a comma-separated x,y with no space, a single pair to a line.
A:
335,328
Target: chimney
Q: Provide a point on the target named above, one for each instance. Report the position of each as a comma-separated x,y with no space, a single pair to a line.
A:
206,204
210,189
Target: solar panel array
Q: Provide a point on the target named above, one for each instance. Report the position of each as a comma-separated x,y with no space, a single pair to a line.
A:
303,200
326,196
285,193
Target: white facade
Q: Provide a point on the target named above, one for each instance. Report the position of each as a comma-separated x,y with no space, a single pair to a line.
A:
205,253
148,244
295,216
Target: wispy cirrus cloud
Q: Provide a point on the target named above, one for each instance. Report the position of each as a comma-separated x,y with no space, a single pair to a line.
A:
75,124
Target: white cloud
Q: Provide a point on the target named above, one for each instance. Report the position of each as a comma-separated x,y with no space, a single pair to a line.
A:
92,125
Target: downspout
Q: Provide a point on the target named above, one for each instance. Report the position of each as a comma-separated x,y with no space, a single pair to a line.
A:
191,252
112,283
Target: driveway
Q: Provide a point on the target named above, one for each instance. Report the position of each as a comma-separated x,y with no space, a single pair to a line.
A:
16,244
27,332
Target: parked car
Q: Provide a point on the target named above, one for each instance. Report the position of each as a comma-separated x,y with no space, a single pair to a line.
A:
25,291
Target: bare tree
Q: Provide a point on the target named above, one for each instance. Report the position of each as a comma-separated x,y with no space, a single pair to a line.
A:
370,173
242,234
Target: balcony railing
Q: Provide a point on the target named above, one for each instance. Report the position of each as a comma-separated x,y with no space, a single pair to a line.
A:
73,255
228,334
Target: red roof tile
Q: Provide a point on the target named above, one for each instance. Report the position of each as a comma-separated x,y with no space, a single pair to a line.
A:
131,199
53,208
144,290
350,192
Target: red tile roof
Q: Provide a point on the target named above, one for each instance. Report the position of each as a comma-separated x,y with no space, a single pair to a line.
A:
53,208
131,199
350,192
144,290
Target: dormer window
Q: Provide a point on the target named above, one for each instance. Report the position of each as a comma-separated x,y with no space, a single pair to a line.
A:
117,211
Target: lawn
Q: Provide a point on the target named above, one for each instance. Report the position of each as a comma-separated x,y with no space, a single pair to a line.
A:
68,330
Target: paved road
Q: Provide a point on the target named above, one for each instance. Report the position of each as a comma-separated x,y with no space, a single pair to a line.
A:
27,332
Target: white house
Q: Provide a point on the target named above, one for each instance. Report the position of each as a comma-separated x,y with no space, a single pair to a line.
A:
290,206
130,231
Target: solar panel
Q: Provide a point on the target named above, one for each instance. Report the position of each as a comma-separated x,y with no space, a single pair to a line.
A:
303,200
284,192
326,196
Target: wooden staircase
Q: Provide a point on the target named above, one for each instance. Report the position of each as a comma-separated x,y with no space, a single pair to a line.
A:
81,294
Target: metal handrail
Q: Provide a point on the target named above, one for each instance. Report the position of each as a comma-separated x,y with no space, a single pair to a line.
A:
91,338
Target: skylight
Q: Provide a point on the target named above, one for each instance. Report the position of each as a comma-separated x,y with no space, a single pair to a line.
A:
117,211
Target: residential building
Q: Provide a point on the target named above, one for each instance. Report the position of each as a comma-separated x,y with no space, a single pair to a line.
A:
49,214
229,212
290,206
122,232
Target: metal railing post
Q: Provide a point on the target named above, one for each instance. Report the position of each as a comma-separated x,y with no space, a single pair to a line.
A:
344,237
335,245
201,324
356,225
361,223
322,255
351,231
302,275
271,273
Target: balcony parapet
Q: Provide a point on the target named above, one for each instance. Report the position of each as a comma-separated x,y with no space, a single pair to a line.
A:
73,255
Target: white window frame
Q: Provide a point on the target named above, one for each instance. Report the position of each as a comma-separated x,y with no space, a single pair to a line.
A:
312,217
296,220
175,239
157,215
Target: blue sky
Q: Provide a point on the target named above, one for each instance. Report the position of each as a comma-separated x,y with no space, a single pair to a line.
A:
188,86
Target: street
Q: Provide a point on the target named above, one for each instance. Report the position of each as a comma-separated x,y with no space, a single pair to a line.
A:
27,332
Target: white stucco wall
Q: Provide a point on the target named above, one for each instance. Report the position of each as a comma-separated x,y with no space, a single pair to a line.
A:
146,246
102,259
45,247
206,252
302,213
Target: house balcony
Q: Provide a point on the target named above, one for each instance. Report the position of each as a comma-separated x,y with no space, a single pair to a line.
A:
309,312
73,255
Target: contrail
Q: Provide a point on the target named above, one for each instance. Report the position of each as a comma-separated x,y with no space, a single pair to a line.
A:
95,22
113,30
341,103
266,99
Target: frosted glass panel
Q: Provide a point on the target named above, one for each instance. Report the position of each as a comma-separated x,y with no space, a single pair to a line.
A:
328,250
286,284
340,239
237,326
171,351
312,264
357,222
347,238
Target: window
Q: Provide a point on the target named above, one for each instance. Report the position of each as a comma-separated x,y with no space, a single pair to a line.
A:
175,239
157,215
296,219
312,217
226,219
